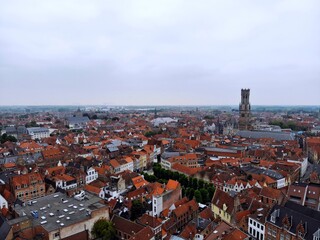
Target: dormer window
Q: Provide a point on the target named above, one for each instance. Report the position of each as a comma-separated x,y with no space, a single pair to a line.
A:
301,230
316,235
300,234
274,215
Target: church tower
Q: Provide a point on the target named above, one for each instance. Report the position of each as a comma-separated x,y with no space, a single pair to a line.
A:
244,110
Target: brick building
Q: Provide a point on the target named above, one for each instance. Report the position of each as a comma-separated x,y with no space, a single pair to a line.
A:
28,186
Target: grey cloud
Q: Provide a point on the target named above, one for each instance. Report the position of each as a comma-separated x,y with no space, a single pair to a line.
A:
159,52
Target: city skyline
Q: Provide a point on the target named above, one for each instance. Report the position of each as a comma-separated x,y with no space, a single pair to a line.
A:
152,53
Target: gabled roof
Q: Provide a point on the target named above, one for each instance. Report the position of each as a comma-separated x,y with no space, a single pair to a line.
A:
206,214
271,193
145,234
4,228
148,220
185,208
139,181
236,234
184,169
172,184
19,180
126,226
306,217
92,189
220,198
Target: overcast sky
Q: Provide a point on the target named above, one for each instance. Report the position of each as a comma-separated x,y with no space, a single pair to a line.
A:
163,52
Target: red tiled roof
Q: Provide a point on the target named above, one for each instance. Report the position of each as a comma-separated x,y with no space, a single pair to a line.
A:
172,185
236,235
220,197
148,220
186,170
139,181
270,193
25,179
64,177
191,205
9,165
92,189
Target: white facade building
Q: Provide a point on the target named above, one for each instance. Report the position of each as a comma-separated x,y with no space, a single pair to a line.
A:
256,229
166,164
3,202
303,163
281,183
91,175
157,205
38,132
63,184
240,185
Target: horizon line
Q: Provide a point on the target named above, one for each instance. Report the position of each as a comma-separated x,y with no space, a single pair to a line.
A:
158,105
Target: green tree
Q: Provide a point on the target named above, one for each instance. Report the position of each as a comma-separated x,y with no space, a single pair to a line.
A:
149,134
5,137
183,190
191,193
211,191
32,124
137,209
175,176
183,180
200,183
194,183
197,196
103,229
205,195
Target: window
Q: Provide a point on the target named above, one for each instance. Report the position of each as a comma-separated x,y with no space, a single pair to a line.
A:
56,235
281,236
273,219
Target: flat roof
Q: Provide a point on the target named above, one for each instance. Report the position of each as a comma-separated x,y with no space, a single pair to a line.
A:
280,136
57,209
222,150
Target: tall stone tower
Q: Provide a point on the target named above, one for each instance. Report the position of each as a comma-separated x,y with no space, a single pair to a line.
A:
244,110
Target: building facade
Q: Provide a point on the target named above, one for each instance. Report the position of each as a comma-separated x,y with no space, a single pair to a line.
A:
28,186
38,132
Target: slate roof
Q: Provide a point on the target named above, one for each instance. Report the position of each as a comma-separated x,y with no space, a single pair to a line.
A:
4,227
37,130
78,120
299,215
268,172
280,136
